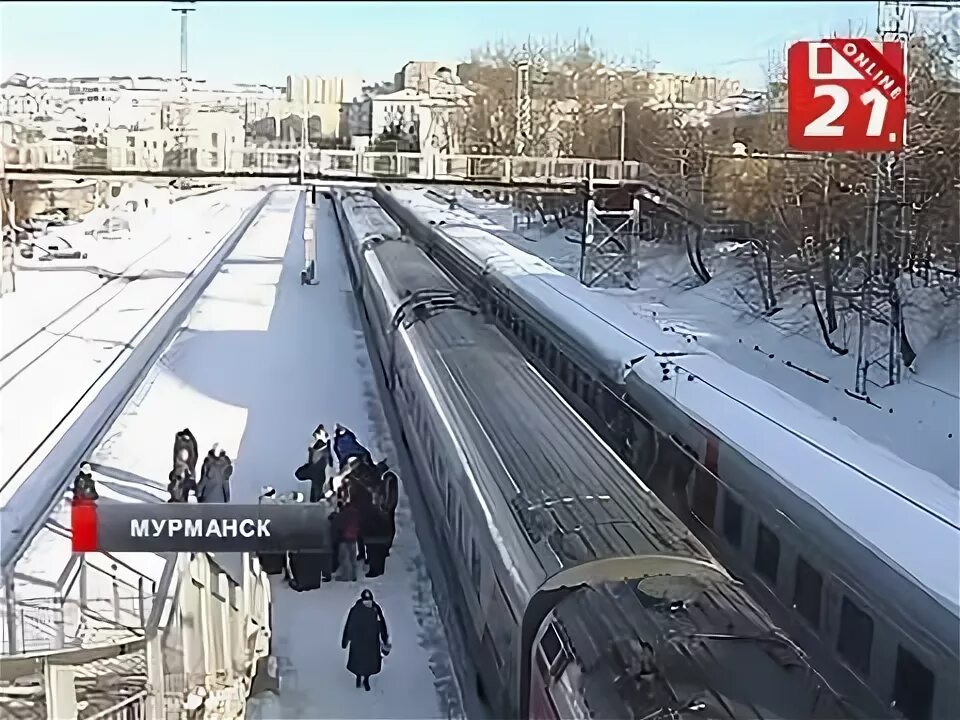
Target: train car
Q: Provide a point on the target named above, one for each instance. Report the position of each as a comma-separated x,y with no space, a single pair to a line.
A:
580,594
875,611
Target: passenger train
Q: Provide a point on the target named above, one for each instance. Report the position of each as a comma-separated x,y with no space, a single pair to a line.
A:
579,593
873,626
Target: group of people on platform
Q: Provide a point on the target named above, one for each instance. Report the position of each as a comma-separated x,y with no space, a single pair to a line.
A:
362,496
215,472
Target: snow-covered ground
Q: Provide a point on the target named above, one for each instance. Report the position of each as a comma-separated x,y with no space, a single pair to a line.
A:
52,371
918,420
258,363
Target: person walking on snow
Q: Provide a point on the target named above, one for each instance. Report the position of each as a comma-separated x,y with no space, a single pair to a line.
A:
214,485
366,634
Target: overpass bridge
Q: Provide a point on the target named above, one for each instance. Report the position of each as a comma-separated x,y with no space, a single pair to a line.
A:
49,162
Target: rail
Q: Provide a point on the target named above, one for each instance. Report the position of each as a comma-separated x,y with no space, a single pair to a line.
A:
332,164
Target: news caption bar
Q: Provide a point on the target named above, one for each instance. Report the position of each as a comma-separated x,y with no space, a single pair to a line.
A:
189,527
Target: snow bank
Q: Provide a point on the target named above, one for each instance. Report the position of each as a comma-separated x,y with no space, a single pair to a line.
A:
865,487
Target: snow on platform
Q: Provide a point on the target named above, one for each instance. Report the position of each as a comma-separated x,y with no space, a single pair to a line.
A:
48,372
259,362
865,487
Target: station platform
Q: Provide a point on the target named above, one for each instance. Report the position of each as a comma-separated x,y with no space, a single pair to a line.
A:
259,362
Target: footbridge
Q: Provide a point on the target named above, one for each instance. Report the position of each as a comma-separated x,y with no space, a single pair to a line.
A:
348,167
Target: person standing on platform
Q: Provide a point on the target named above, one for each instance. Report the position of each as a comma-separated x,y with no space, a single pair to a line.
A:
214,485
391,498
374,529
366,634
346,446
84,488
319,458
182,480
185,440
349,525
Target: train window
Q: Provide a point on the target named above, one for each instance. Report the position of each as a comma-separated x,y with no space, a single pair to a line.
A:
807,588
552,357
704,503
767,559
450,504
551,657
475,564
586,389
912,687
856,636
732,520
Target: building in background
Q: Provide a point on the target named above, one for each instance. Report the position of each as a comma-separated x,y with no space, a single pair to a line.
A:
325,100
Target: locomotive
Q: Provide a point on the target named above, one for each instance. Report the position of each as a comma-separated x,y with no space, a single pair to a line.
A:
579,593
877,611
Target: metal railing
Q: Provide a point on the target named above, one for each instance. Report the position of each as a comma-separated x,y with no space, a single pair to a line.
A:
348,164
204,637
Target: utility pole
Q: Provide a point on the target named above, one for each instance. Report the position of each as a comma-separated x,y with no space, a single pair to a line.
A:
183,7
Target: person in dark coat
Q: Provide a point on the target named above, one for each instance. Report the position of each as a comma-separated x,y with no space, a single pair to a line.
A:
271,562
366,634
185,440
182,480
319,458
391,498
374,529
346,446
84,488
214,485
349,530
335,530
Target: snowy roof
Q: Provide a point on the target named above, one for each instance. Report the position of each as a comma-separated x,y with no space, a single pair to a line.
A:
405,94
865,488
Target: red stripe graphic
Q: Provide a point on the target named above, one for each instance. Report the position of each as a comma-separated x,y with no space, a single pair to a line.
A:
83,523
876,68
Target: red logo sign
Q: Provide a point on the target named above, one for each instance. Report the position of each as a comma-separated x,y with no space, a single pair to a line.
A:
846,95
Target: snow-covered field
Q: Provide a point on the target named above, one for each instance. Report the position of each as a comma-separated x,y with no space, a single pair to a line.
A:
918,420
257,364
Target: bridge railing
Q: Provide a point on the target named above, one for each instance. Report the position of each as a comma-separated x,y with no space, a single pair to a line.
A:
332,163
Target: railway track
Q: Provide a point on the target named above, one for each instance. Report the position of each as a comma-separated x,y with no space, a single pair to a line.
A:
33,483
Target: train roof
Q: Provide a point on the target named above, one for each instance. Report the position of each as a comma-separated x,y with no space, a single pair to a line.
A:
574,498
864,487
713,657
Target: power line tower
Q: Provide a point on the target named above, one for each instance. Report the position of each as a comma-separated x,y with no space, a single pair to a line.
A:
529,66
896,22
